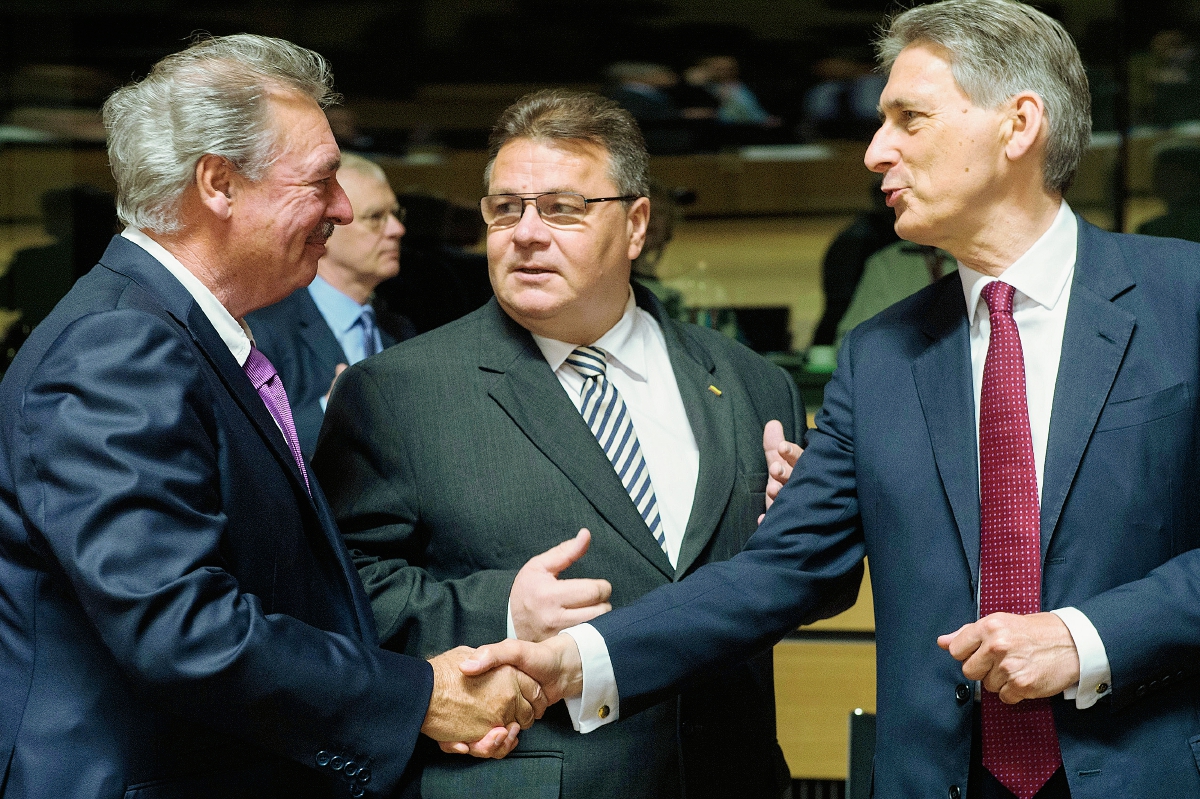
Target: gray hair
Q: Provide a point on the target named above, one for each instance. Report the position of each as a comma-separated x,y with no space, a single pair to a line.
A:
211,98
553,115
999,48
363,166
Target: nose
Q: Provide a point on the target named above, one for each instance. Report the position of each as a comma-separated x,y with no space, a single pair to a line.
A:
394,228
339,210
881,155
531,229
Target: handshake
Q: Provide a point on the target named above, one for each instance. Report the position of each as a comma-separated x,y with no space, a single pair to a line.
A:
482,698
486,696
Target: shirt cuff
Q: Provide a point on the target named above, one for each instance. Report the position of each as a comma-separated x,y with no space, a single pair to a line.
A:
1095,673
324,400
511,629
599,703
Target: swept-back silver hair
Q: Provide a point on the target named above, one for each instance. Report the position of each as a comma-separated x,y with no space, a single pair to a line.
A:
997,49
208,99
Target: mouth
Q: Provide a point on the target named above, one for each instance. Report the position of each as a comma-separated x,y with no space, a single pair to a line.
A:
533,269
891,196
322,233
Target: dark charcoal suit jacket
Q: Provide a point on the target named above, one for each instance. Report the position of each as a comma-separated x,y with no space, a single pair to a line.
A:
452,459
178,618
891,471
297,340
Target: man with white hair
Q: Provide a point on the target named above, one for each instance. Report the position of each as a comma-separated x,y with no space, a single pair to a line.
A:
178,614
315,332
1014,448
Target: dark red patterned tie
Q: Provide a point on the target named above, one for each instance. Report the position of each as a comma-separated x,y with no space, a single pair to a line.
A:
1020,746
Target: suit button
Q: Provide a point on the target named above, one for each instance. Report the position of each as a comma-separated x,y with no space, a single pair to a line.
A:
955,792
323,758
603,711
337,763
364,776
352,768
962,693
356,791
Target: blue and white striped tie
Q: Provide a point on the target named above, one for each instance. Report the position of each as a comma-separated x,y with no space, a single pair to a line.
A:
605,412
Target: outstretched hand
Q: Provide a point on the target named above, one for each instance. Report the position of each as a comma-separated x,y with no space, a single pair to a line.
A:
488,707
781,459
542,605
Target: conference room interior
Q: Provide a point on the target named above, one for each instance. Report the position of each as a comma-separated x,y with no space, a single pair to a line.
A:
759,202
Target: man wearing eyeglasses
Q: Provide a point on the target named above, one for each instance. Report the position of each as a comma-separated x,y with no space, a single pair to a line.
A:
317,331
457,462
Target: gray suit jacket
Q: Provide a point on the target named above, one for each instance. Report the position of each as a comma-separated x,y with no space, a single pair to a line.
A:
452,459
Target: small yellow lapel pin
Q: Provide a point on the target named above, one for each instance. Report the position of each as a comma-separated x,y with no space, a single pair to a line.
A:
715,390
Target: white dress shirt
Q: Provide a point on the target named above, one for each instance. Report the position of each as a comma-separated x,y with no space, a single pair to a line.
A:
235,333
1042,278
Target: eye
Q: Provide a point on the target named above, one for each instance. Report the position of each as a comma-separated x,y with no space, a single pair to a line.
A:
508,207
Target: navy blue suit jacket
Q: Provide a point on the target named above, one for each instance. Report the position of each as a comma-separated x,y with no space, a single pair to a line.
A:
177,616
297,340
891,472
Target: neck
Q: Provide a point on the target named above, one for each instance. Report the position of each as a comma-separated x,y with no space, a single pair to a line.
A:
197,257
1008,234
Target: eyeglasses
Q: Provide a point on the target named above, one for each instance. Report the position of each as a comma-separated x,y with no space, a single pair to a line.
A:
557,208
377,221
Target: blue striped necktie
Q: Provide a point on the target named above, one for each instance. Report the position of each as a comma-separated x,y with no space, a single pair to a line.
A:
370,341
605,412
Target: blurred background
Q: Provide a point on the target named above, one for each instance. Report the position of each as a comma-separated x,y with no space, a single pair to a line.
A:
757,113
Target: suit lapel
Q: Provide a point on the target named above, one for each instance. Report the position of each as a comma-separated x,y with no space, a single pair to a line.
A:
315,332
943,379
1095,339
534,399
711,419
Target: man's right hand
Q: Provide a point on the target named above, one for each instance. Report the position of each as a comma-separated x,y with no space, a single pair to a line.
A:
479,708
543,605
554,663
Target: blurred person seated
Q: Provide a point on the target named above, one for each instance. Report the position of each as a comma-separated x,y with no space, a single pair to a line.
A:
648,92
844,103
1177,183
317,331
81,219
444,278
846,259
895,272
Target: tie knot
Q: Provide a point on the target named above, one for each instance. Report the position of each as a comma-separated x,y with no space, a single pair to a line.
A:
999,297
258,368
588,361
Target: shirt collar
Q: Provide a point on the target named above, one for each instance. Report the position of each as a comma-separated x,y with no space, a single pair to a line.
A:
341,312
623,342
235,333
1040,274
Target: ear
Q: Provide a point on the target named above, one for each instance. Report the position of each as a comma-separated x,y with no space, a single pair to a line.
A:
1024,125
214,183
636,221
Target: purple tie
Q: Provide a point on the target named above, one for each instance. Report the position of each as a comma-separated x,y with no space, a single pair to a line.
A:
266,381
1020,746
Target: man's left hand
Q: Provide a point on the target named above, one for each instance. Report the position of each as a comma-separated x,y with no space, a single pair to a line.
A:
781,459
1017,657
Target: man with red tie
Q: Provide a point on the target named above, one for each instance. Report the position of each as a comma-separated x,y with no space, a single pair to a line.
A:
1014,448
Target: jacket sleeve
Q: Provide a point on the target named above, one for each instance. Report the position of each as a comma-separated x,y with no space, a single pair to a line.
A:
118,440
367,466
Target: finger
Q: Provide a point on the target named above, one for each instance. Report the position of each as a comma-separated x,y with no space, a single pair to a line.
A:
559,557
493,745
761,516
524,714
947,640
454,747
533,694
569,618
582,592
790,453
772,437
